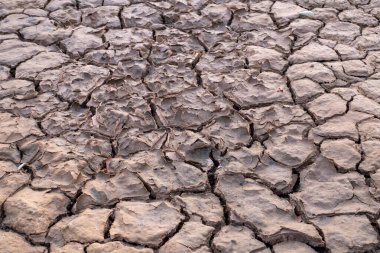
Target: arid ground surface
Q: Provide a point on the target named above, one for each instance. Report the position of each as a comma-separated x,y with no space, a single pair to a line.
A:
189,126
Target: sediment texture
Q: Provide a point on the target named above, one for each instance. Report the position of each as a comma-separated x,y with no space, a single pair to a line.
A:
189,126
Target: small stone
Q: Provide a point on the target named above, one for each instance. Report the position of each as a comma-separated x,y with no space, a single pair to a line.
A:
306,14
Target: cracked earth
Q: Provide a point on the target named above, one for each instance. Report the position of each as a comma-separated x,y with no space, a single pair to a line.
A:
189,126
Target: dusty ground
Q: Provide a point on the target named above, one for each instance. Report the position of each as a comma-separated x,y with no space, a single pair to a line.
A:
189,126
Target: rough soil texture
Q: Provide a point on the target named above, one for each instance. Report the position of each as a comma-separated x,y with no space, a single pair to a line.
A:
189,126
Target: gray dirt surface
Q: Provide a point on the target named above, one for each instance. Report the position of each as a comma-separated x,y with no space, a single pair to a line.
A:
189,126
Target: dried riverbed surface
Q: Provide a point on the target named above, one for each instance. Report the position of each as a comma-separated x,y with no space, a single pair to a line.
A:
189,126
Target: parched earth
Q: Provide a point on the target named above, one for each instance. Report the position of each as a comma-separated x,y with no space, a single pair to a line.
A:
189,126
